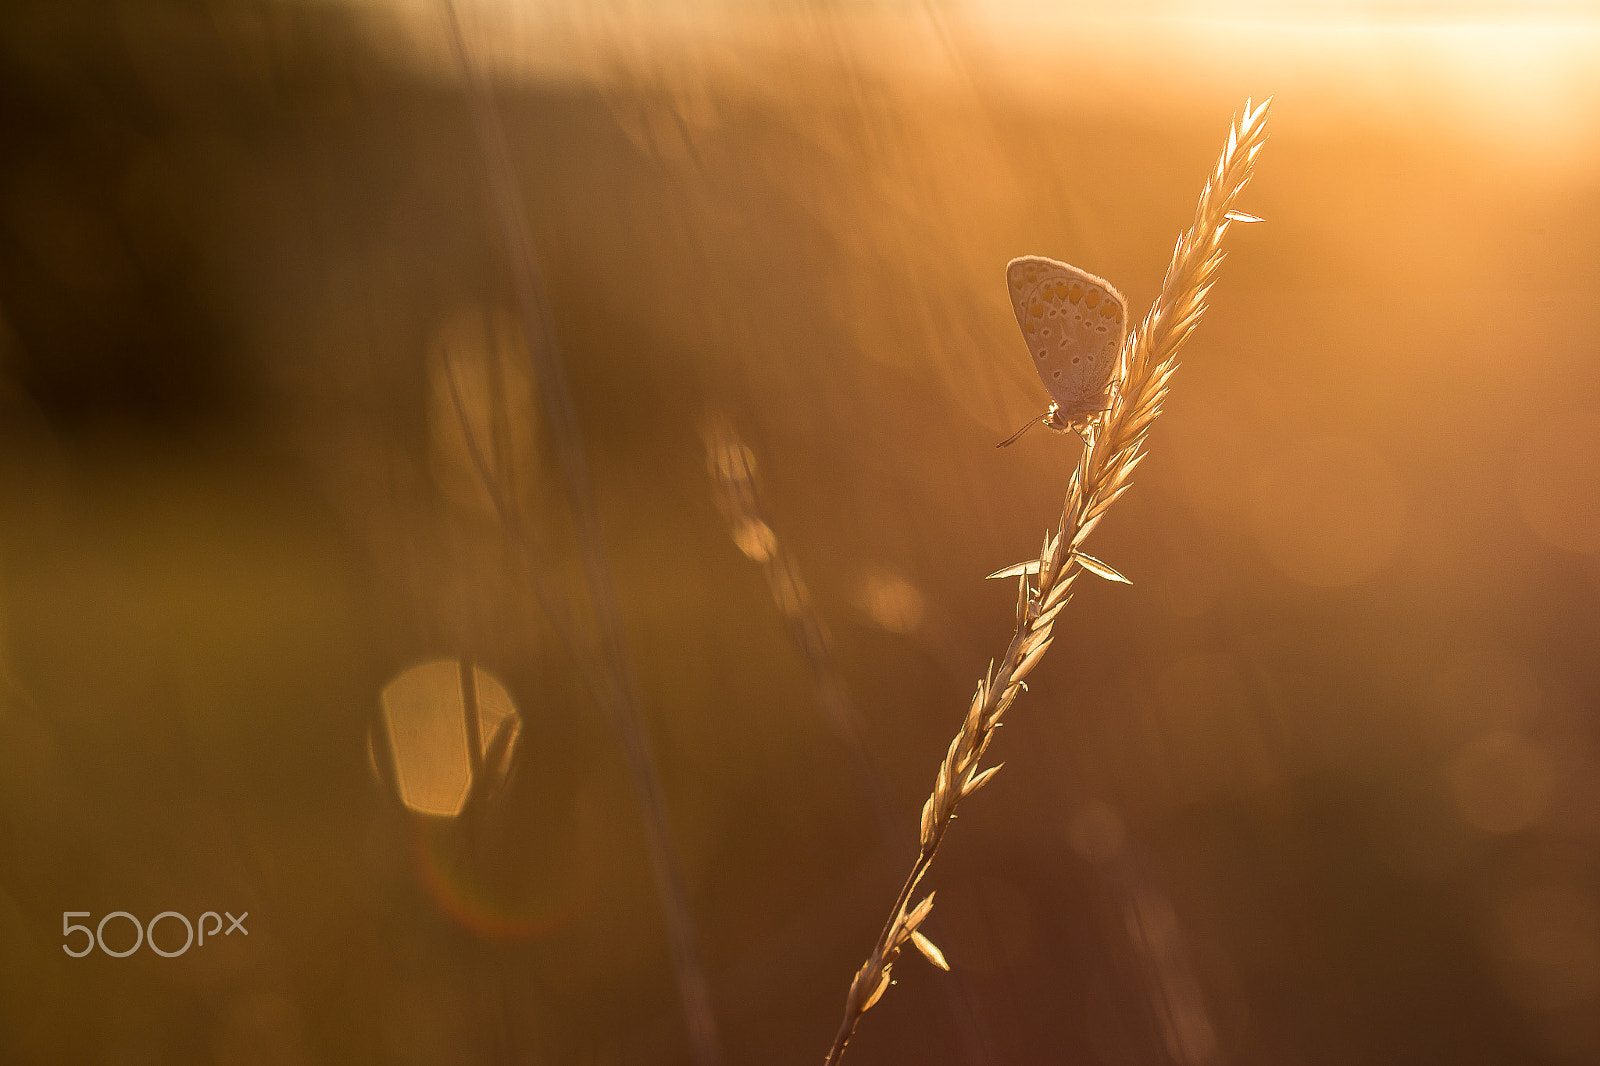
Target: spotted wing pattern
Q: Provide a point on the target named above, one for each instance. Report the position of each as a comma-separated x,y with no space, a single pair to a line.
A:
1074,323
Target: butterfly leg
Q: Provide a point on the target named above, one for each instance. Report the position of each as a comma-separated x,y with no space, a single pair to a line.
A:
1055,421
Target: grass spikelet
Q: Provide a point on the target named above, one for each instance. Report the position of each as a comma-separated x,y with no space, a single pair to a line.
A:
1114,446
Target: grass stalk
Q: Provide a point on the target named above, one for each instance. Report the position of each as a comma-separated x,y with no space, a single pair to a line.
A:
608,668
1113,448
732,467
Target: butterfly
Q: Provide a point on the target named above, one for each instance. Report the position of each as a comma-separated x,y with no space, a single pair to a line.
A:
1074,324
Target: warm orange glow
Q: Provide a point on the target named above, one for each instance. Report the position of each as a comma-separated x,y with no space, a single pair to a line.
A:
282,460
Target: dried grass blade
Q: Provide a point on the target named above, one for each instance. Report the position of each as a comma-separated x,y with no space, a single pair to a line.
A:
1028,568
979,781
1097,568
931,953
877,993
1025,667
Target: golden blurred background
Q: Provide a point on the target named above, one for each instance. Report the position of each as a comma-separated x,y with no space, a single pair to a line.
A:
289,579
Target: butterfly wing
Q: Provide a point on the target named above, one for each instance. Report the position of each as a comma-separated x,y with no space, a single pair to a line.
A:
1074,323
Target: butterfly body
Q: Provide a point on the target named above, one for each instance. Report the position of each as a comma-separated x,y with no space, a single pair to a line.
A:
1074,324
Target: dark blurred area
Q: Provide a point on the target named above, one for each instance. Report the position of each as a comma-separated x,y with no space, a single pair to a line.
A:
1322,786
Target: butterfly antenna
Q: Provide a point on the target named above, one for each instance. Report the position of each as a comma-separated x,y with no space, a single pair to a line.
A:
1029,424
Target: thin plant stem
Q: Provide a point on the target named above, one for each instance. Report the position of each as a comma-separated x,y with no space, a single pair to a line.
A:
1113,446
615,680
732,468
